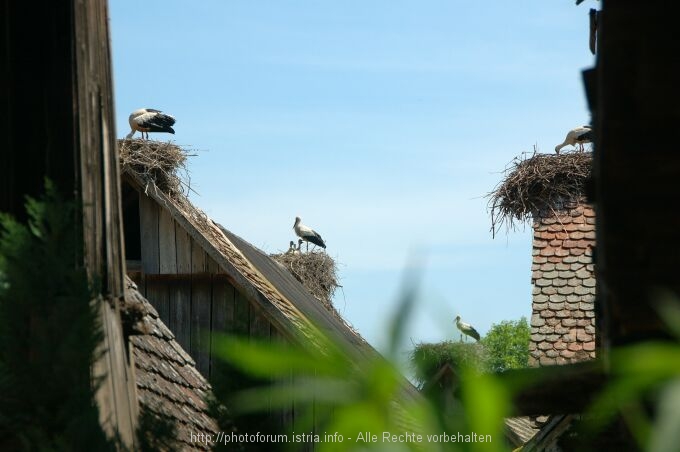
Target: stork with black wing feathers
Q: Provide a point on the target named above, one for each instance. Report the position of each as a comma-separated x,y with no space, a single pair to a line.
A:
467,330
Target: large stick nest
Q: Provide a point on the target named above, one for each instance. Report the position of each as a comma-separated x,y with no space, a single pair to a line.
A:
162,163
317,272
539,185
426,359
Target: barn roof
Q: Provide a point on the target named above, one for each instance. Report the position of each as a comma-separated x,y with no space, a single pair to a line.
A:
282,299
291,289
168,383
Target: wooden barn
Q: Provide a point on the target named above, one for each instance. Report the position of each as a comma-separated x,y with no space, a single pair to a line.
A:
62,70
203,279
71,142
168,385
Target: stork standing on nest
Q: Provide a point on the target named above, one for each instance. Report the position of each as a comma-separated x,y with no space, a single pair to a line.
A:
307,234
578,136
147,120
466,329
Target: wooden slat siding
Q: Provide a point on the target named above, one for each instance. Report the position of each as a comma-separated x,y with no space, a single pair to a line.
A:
201,303
102,371
183,249
259,330
211,265
100,195
148,223
638,71
167,250
198,258
116,399
241,315
259,325
175,277
158,294
222,319
100,181
239,281
70,142
180,311
285,416
119,372
175,314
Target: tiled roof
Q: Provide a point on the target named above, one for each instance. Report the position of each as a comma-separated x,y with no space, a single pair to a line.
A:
520,429
168,383
563,279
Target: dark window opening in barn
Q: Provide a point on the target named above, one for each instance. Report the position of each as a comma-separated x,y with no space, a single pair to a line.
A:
133,243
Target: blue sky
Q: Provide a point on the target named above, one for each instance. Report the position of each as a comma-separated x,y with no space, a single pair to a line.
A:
381,123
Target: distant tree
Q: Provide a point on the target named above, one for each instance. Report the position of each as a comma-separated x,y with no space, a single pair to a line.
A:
507,345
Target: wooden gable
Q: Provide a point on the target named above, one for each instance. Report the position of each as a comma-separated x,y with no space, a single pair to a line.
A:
193,295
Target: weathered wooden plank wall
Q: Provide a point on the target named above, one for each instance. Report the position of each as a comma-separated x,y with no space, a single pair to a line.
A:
636,174
37,74
148,224
59,76
117,396
197,301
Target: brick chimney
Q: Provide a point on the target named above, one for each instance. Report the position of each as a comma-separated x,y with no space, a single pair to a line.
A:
563,279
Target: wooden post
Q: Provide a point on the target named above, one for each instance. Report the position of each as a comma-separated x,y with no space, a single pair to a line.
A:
56,105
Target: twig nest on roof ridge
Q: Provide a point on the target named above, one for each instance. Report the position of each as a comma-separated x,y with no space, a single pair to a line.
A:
162,163
539,185
317,272
428,358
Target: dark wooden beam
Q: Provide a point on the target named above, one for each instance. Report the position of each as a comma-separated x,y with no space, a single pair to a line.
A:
562,389
636,167
37,130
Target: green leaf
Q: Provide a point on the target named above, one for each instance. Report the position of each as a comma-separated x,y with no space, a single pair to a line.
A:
665,434
273,359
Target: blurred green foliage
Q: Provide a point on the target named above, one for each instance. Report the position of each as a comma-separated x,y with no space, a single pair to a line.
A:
49,337
644,388
48,332
355,394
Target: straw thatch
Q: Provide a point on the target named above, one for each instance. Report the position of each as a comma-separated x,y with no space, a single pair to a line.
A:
538,185
317,272
162,163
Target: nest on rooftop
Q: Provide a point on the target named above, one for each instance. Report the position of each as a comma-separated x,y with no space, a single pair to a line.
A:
317,272
427,359
162,163
538,185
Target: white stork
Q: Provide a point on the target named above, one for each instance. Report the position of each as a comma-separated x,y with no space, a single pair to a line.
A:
307,234
466,329
147,120
579,135
292,249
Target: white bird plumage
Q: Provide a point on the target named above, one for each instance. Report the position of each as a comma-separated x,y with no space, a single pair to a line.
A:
467,329
308,234
576,136
147,120
293,249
